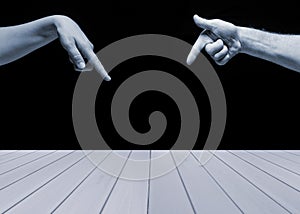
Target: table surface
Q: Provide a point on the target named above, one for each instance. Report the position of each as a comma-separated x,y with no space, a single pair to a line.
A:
66,181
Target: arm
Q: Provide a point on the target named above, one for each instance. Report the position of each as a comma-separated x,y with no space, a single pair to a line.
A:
223,40
18,41
277,48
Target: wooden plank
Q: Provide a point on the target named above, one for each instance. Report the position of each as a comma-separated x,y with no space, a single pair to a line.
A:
6,152
280,162
17,192
203,190
131,191
167,194
281,174
137,168
287,156
93,192
279,192
14,155
22,161
241,181
54,192
13,176
294,152
247,197
114,163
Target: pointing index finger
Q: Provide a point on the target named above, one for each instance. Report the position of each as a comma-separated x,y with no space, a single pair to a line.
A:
95,62
200,43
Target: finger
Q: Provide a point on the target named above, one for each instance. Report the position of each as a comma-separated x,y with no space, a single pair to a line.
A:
88,41
95,62
98,66
221,54
215,47
75,56
200,43
86,68
203,23
224,60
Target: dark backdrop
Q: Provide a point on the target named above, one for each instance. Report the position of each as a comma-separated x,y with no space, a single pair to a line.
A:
36,91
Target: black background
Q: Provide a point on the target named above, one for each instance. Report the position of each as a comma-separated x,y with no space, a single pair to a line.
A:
36,91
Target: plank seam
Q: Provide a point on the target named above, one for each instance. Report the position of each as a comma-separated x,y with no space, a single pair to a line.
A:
77,186
149,180
265,172
73,164
35,171
252,184
17,157
26,163
219,185
274,163
183,184
106,200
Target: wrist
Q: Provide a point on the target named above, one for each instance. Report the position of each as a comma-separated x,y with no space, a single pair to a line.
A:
48,26
242,38
59,20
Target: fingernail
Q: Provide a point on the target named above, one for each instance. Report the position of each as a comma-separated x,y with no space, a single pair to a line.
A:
81,65
107,78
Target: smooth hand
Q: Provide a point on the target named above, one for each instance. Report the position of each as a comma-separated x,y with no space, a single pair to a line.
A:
78,46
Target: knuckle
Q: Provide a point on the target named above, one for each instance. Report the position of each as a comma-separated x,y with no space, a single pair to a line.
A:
225,48
213,21
92,46
221,62
69,44
220,41
217,56
85,46
77,58
208,48
218,62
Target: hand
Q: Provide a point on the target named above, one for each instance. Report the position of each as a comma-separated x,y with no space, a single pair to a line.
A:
220,39
77,45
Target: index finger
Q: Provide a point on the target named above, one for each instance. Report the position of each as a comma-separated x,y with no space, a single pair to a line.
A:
93,59
95,62
200,43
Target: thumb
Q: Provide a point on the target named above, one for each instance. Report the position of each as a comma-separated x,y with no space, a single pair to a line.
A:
203,23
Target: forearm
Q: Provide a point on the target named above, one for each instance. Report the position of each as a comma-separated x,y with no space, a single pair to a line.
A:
17,41
280,49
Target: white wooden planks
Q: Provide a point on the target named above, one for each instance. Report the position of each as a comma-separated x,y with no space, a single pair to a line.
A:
72,182
91,196
51,194
282,194
285,176
167,194
247,196
14,155
18,191
277,161
19,162
203,190
131,190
